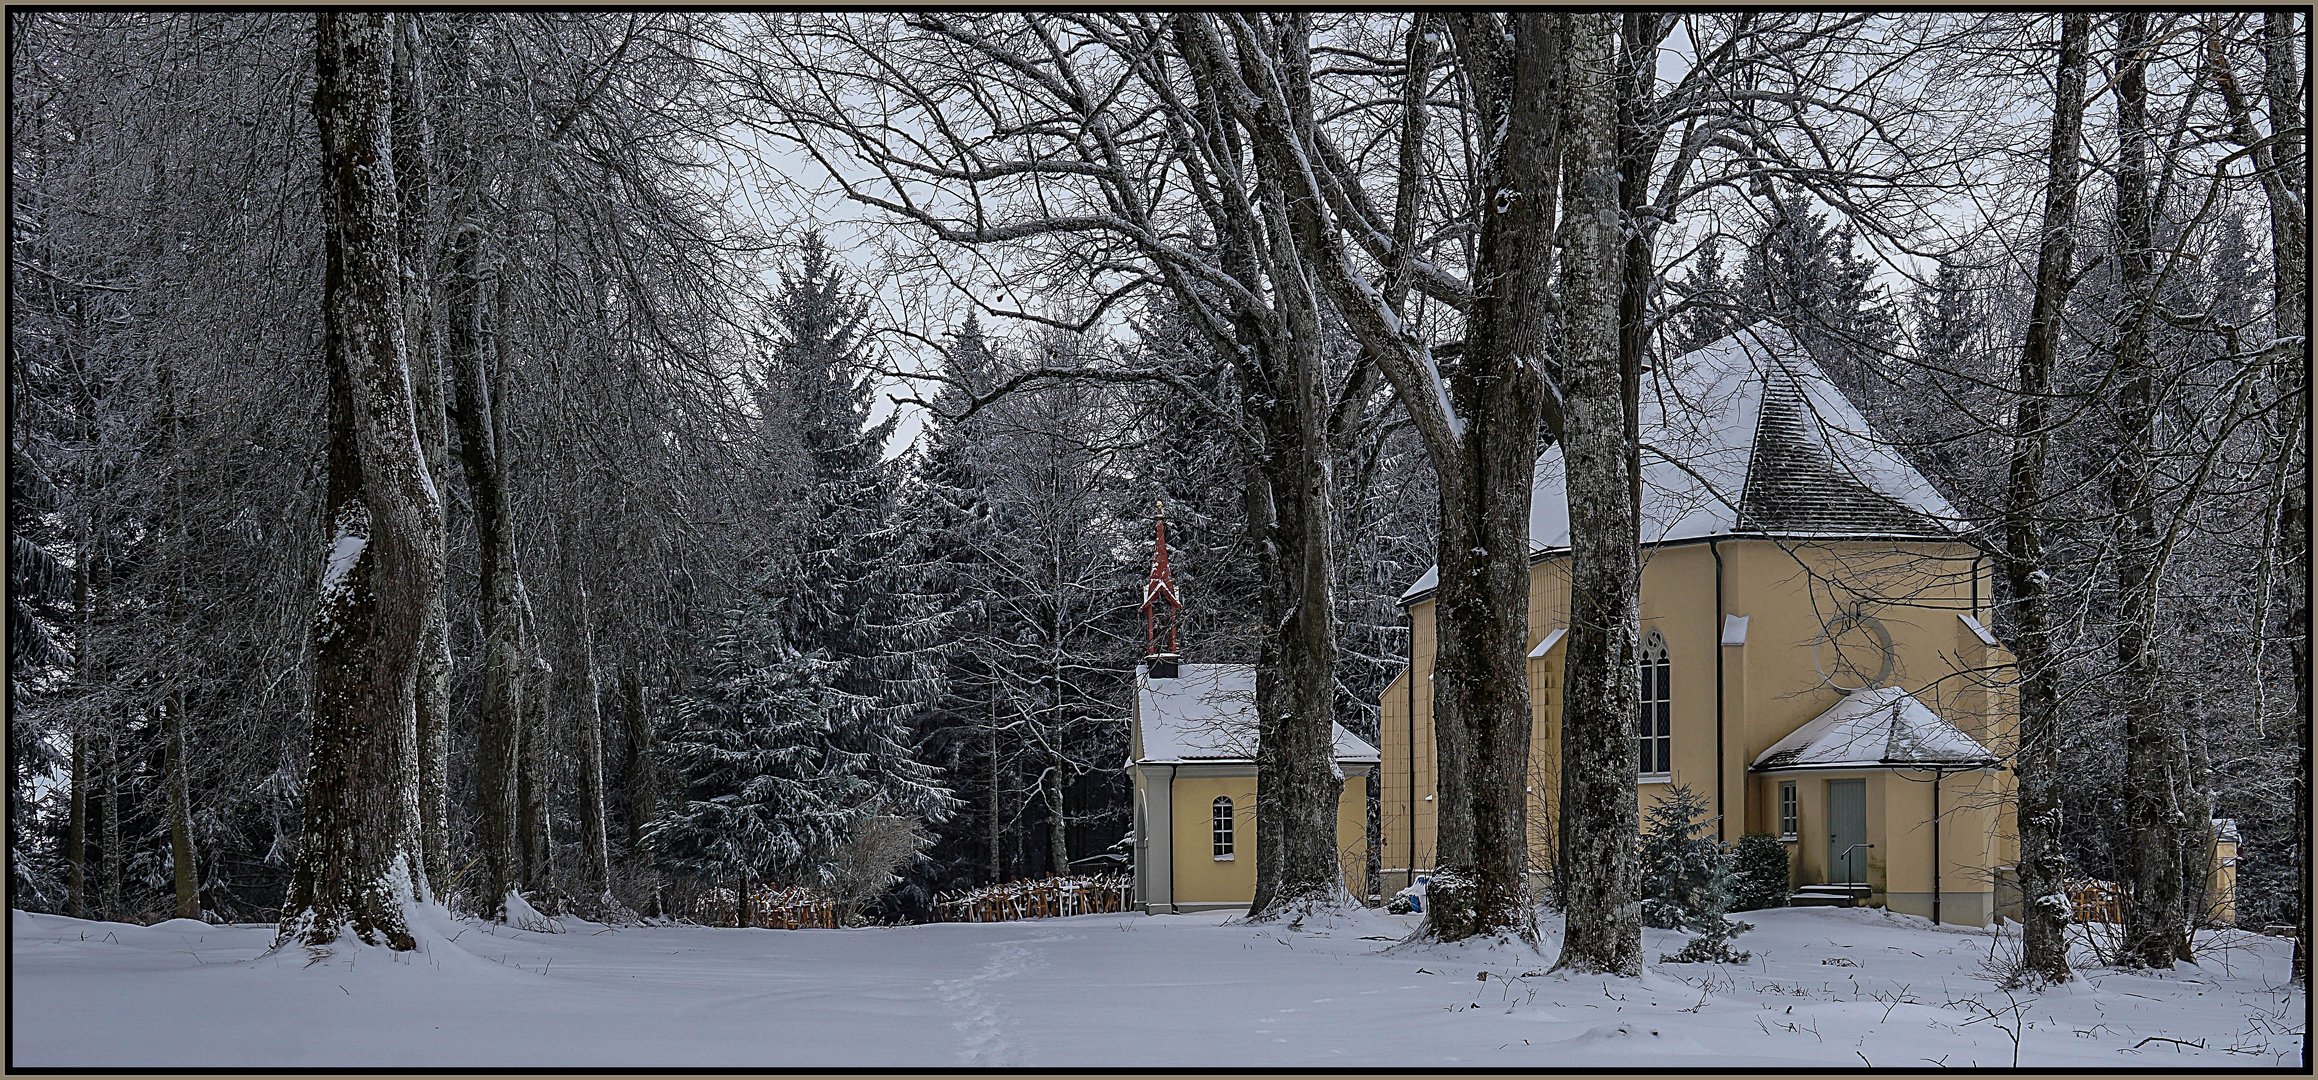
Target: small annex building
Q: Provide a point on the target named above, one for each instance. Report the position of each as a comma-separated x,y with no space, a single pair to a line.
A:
1191,757
1193,761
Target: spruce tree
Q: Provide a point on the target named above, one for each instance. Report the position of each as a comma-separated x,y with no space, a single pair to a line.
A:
755,799
1688,879
1801,271
948,500
846,599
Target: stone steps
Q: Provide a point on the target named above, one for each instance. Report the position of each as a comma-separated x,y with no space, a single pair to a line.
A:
1836,895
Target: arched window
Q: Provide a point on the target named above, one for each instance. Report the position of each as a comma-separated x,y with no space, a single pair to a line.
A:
1223,823
1654,728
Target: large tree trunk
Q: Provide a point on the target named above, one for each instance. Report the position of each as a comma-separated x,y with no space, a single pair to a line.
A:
1291,490
2288,194
1481,622
1297,778
2154,772
414,154
532,783
2046,911
498,728
1600,692
1297,797
358,860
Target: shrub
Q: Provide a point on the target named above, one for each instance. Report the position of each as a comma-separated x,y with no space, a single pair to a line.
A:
1762,873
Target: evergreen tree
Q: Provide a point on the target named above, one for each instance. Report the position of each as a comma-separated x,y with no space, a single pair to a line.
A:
1709,305
801,731
846,600
948,500
757,797
1803,272
1688,879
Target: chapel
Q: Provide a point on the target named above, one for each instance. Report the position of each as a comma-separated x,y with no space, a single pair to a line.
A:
1816,660
1192,763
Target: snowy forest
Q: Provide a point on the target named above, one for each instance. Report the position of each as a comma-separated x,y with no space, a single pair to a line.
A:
569,464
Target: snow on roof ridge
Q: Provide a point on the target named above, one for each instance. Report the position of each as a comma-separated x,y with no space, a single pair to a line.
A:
1704,419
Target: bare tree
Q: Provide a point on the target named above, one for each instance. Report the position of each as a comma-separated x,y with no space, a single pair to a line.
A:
359,862
2156,796
2042,863
1601,694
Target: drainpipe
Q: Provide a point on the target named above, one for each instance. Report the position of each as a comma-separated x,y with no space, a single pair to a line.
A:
1976,557
1936,824
1412,751
1173,842
1721,764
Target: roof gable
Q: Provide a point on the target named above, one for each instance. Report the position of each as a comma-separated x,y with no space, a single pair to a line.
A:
1747,435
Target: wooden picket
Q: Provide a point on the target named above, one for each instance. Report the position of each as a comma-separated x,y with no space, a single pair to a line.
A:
770,909
1041,898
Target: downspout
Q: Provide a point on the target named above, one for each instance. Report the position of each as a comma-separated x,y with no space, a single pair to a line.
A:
1174,843
1936,819
1721,763
1412,751
1976,557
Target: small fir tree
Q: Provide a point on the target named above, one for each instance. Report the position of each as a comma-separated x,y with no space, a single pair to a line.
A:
1688,879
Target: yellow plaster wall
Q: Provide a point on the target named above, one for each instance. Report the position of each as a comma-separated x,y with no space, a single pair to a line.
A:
1200,878
1770,685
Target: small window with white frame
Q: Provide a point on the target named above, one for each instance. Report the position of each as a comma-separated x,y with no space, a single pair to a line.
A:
1789,810
1223,829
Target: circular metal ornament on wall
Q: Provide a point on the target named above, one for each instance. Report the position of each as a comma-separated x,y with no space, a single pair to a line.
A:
1862,653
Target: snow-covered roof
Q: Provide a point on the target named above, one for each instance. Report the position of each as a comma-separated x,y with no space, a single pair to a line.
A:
1208,713
2225,830
1878,727
1748,436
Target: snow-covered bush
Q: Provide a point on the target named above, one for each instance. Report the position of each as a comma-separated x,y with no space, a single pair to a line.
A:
871,858
1762,873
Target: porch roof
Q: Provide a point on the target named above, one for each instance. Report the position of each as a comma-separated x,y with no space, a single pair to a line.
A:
1880,728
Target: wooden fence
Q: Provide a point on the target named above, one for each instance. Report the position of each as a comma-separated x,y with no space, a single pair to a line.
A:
1043,898
2094,901
769,908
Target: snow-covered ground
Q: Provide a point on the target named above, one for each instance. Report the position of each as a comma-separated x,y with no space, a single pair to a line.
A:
1825,987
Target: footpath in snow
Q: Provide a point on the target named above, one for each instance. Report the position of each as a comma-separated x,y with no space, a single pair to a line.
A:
1825,987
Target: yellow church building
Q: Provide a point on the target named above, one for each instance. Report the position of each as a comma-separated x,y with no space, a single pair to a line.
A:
1816,660
1815,654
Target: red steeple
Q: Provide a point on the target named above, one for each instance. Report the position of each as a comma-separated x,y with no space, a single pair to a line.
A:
1161,603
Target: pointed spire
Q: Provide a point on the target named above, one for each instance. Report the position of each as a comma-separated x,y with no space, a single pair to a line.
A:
1161,607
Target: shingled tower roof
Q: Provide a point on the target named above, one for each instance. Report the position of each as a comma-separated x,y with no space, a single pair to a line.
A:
1747,437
